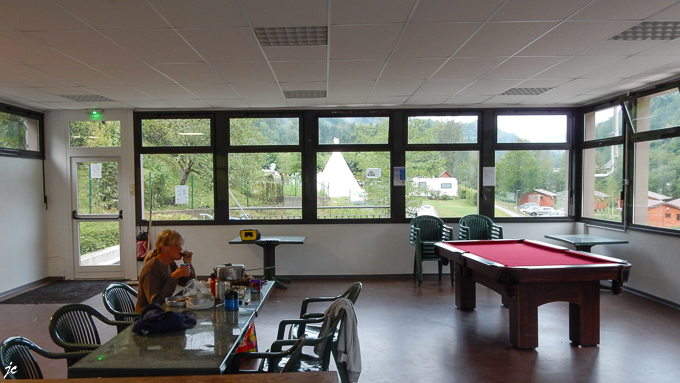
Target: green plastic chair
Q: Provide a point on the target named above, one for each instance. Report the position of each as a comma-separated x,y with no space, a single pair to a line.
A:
426,230
271,361
18,362
117,297
476,226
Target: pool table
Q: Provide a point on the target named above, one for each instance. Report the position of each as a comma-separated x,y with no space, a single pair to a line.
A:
528,274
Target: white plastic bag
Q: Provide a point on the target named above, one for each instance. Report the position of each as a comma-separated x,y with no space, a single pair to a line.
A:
194,287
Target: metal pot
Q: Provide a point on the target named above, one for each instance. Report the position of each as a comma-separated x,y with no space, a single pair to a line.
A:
230,273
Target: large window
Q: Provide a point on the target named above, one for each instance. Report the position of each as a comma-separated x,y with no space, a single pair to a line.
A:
442,182
353,184
532,166
94,134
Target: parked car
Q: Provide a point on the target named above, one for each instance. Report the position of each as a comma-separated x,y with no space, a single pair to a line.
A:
526,206
557,213
530,210
543,210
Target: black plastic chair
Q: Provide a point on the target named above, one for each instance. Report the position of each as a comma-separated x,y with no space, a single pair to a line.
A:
476,226
72,328
271,361
117,298
426,230
18,362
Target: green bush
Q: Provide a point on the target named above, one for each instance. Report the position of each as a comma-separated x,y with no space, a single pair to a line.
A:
98,235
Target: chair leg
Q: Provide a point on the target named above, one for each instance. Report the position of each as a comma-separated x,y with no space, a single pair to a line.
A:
453,275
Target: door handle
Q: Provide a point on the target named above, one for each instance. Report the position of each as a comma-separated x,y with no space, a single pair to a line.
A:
100,218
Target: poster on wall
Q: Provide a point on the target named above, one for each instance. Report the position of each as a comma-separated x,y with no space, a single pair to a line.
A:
399,176
373,173
95,170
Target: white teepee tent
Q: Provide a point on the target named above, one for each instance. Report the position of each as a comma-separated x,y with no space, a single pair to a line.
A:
338,181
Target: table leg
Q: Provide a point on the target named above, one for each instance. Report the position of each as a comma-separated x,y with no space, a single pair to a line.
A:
270,266
523,319
465,288
584,317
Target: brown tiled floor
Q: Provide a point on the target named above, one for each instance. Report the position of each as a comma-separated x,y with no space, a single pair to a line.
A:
411,334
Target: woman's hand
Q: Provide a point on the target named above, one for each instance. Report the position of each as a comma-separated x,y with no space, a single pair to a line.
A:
182,271
186,256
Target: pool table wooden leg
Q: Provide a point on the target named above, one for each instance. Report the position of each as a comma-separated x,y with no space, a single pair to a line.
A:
584,316
523,317
465,288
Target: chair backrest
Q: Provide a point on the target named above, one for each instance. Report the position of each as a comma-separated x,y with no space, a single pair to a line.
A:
73,328
17,360
352,293
477,226
117,297
430,228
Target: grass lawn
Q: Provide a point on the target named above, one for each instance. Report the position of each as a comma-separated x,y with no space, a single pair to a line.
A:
458,208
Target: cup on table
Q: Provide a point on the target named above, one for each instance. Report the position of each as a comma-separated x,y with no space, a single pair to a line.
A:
255,286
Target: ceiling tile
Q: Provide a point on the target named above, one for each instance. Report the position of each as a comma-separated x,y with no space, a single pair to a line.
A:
190,73
289,13
338,89
80,75
432,11
32,76
427,100
155,46
437,88
258,91
303,85
616,10
488,87
309,52
201,13
395,87
89,47
288,71
577,66
572,37
213,91
121,14
224,44
387,100
519,10
122,93
620,48
32,94
139,74
363,41
465,100
370,12
580,86
466,68
167,92
506,100
438,40
630,67
228,104
355,70
405,69
245,72
522,67
491,39
38,15
21,48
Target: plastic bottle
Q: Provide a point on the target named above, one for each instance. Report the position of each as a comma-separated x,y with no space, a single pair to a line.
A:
213,281
231,300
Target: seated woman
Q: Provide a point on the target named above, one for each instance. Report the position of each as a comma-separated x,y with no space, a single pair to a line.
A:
161,275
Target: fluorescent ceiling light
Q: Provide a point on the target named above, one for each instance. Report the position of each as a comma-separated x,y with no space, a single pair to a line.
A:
650,30
304,94
524,91
292,36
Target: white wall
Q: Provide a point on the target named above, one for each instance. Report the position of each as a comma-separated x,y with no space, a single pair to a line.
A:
23,242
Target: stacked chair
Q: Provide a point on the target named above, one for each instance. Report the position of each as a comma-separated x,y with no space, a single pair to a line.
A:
476,226
426,230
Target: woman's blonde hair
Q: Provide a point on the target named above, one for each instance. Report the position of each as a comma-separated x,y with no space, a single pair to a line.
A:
167,237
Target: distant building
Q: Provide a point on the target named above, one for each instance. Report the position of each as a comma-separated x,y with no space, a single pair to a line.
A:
445,184
540,197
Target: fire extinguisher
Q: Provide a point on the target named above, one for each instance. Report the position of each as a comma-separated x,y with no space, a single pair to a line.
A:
142,244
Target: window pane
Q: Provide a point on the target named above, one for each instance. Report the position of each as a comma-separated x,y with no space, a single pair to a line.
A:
265,186
353,185
353,130
443,184
657,111
539,129
94,134
603,182
176,132
264,131
604,123
97,186
99,243
532,182
18,132
178,186
657,183
442,129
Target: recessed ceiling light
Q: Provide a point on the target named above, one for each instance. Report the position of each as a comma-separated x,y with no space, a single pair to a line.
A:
524,91
304,93
86,97
650,30
292,36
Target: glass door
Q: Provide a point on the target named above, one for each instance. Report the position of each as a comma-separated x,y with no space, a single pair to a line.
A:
97,218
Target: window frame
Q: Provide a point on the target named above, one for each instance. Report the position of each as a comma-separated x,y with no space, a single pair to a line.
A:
21,153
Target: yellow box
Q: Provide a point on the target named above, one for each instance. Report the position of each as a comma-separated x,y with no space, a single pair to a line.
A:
250,235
